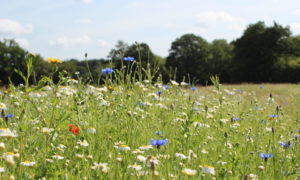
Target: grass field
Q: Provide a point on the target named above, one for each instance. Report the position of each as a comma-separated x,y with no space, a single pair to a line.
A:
77,131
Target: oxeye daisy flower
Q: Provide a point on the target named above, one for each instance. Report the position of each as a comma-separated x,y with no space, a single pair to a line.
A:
174,83
123,147
128,59
135,167
158,143
27,163
49,160
189,172
141,158
2,169
137,151
2,106
2,146
107,71
184,84
181,156
208,169
47,130
103,166
145,147
91,130
58,157
83,143
5,132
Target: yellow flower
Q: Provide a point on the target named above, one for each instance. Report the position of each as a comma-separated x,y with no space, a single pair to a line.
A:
110,88
53,60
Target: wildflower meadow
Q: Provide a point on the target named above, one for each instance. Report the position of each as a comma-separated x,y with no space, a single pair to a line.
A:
132,127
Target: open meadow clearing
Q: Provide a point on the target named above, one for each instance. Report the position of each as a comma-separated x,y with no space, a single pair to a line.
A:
150,131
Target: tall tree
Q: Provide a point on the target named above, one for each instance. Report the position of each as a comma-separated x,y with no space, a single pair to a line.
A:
220,59
189,55
258,50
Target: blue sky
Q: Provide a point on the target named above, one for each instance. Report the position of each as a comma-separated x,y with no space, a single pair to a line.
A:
69,28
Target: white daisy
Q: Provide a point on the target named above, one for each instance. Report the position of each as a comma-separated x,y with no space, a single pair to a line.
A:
189,172
57,157
208,170
83,143
27,163
135,167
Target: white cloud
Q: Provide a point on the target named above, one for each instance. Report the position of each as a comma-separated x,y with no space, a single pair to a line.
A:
210,19
103,43
85,21
297,12
86,1
8,26
137,4
67,42
22,42
295,27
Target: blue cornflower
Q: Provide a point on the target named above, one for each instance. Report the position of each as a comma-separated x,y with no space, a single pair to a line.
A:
286,145
107,71
296,137
158,93
265,156
128,59
193,88
235,118
166,86
158,143
238,90
272,116
298,130
9,116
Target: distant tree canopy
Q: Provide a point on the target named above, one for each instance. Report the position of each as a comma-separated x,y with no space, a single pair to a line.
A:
258,51
12,57
262,54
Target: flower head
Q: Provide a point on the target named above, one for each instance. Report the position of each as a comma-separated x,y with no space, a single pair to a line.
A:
286,145
193,88
189,172
83,143
128,59
54,60
208,170
272,116
5,132
159,142
73,129
107,71
123,147
27,163
265,156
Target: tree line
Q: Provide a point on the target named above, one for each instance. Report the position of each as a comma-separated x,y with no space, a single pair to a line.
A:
262,54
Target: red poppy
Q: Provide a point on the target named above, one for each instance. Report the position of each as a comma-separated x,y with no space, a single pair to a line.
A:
75,130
